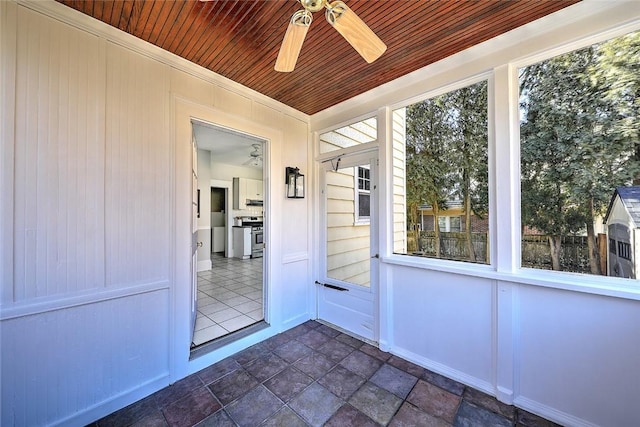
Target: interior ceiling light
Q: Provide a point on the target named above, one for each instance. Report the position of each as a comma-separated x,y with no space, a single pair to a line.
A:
343,19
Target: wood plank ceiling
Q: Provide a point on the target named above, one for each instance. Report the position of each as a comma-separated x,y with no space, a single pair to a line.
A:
240,39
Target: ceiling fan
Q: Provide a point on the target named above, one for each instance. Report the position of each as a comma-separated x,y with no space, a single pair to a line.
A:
255,157
343,19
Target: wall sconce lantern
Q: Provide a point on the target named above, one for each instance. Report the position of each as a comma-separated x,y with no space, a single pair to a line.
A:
295,183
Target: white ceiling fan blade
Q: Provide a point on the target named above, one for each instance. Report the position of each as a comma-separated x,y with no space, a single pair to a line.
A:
292,42
355,31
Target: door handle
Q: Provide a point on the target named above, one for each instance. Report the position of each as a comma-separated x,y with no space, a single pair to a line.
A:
337,288
199,244
376,256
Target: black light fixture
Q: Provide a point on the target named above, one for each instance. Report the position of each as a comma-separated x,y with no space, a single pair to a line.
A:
295,183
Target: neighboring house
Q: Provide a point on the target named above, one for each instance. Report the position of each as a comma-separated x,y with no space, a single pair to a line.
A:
451,219
623,231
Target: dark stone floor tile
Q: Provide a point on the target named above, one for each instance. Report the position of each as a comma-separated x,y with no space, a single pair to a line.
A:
349,340
292,351
342,382
285,417
254,407
191,409
315,365
434,400
350,416
410,416
328,330
479,398
443,382
155,419
297,331
312,324
219,419
394,380
217,370
527,419
335,350
375,352
408,367
375,402
313,339
252,353
276,341
177,391
232,386
288,383
316,404
264,368
130,414
362,364
470,415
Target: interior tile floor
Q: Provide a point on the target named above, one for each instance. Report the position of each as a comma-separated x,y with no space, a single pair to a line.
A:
313,375
229,297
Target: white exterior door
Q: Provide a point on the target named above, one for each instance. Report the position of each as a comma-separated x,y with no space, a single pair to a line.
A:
348,286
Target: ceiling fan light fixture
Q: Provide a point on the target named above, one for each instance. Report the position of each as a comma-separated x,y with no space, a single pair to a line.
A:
355,31
293,39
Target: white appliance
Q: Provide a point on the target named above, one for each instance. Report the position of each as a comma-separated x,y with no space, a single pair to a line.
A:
242,242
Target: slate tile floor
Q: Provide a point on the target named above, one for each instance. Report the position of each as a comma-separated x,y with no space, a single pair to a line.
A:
313,375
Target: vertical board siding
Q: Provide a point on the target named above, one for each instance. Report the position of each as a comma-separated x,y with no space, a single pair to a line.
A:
59,160
110,353
138,158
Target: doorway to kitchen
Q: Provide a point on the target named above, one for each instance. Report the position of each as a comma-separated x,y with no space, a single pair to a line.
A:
231,283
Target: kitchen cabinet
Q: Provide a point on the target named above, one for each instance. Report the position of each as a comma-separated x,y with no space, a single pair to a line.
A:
246,189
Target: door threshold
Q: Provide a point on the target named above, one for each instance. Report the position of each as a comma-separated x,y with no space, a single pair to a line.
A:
344,331
217,343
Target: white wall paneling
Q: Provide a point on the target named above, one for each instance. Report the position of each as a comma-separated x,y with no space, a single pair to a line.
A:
65,363
445,322
59,163
95,245
578,356
138,158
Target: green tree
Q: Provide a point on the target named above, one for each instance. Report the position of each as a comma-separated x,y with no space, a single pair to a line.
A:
575,147
470,144
429,168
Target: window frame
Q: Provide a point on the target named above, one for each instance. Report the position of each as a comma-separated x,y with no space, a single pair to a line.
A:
504,167
438,263
361,220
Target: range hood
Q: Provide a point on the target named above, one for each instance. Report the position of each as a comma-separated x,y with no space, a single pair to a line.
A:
254,202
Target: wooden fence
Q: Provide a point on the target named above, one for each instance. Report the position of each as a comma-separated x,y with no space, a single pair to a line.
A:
574,255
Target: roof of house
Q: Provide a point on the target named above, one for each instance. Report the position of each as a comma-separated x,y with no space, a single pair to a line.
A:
630,197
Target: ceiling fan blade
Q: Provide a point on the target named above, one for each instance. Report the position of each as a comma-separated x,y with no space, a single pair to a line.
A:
292,42
355,31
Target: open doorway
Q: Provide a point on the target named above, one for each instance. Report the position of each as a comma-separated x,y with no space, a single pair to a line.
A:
230,278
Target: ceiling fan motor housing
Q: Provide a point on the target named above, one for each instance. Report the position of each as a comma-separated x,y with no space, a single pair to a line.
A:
313,5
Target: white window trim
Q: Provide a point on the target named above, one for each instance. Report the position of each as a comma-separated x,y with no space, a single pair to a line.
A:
356,193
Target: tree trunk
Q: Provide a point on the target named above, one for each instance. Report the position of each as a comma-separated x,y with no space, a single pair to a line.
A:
592,244
467,220
413,232
436,229
555,243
